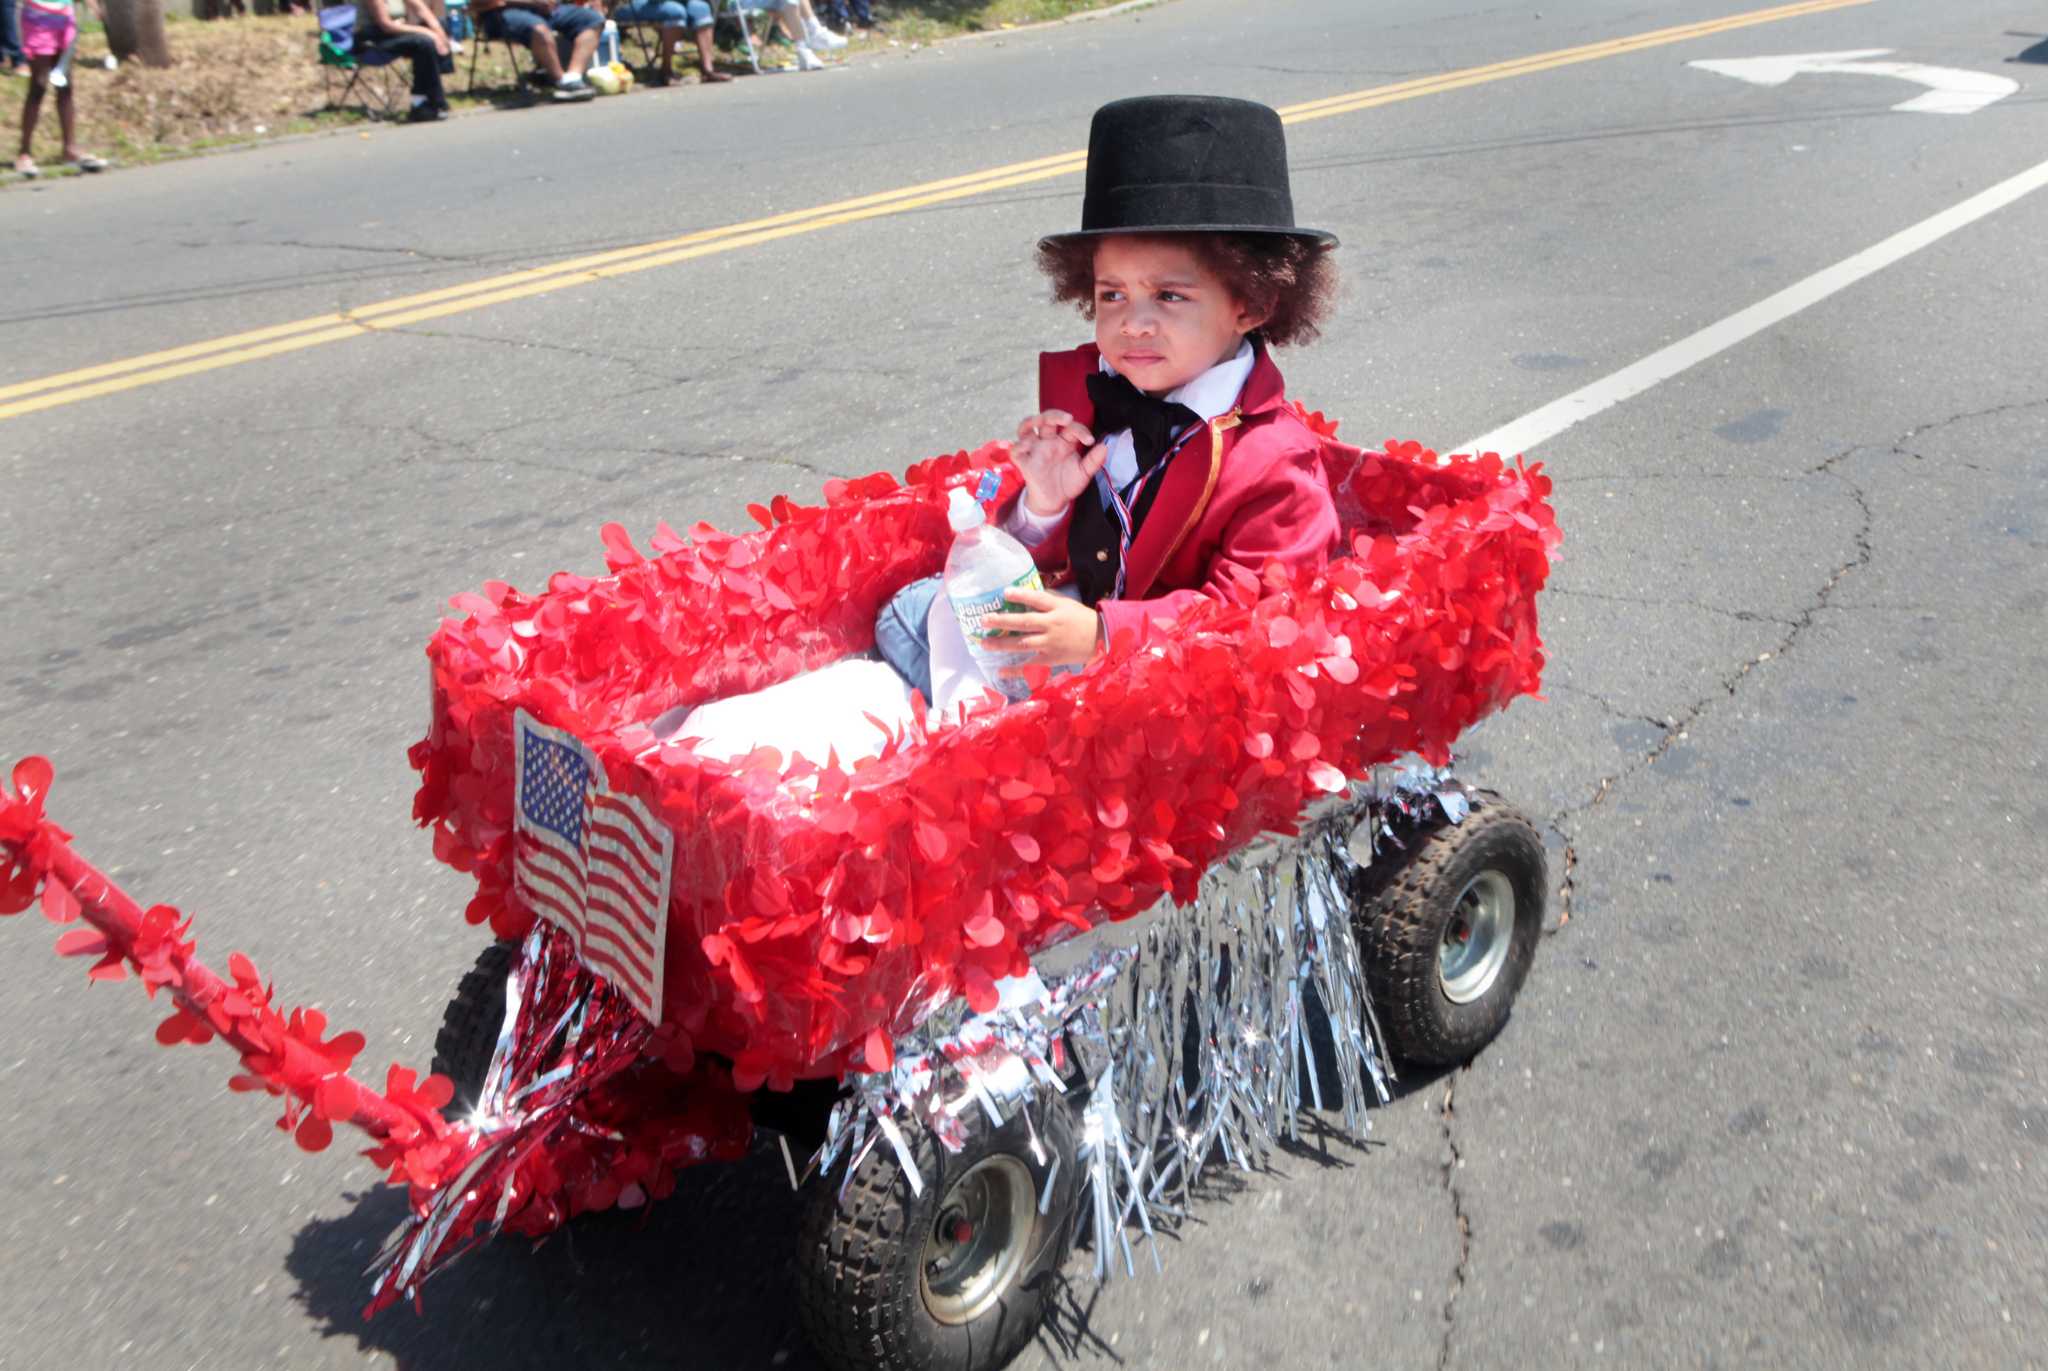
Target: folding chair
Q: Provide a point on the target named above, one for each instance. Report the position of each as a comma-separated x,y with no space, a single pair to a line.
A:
476,41
339,55
646,36
737,11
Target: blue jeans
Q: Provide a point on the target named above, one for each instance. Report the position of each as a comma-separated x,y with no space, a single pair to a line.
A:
902,633
836,12
10,32
672,14
514,25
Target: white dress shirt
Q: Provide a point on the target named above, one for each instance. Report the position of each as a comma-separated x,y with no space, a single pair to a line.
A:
1212,393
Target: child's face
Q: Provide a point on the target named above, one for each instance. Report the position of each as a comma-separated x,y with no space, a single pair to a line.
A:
1161,317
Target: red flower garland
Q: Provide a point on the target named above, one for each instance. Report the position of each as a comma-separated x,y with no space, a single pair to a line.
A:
811,924
287,1055
651,1120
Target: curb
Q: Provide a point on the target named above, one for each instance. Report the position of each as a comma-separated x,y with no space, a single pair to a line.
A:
1084,17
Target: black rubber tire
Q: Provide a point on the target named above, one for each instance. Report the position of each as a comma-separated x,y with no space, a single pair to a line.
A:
471,1024
1408,900
858,1278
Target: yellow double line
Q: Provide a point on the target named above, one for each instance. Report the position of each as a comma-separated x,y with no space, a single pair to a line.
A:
108,378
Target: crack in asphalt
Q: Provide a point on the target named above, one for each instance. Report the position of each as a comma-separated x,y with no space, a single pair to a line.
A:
1673,729
1568,883
1610,708
452,258
1454,1159
627,360
1748,616
1679,726
1897,446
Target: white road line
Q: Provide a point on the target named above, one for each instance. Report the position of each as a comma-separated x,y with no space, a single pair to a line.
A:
1554,418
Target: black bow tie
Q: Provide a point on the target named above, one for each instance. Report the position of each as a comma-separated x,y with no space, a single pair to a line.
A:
1120,405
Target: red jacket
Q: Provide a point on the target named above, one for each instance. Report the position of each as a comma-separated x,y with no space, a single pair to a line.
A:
1252,492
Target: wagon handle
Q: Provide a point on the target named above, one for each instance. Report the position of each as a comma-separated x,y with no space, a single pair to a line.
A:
285,1054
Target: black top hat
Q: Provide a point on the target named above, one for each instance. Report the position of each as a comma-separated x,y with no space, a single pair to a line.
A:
1187,164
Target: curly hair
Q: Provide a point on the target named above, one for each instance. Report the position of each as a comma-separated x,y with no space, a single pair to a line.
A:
1291,281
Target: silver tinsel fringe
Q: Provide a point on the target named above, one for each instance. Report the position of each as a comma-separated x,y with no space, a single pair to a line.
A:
1186,1035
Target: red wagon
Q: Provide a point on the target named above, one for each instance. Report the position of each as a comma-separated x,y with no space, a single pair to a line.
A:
884,962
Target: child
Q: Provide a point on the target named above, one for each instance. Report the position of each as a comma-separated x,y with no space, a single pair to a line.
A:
48,29
1162,463
1190,264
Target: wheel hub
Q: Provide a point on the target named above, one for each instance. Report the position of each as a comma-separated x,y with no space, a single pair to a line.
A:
979,1239
1476,940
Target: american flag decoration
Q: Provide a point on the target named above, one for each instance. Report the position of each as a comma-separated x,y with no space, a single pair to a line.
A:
591,861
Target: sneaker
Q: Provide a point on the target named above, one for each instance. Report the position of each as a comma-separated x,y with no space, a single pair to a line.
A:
806,60
568,91
822,37
426,114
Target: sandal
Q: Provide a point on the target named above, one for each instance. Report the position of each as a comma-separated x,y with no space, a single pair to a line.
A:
713,77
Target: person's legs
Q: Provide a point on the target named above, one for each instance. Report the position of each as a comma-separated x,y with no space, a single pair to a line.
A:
546,51
67,120
702,27
705,67
789,19
816,33
576,30
426,67
524,28
31,111
582,48
902,635
10,37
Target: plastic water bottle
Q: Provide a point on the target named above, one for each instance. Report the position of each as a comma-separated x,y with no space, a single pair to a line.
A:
985,562
608,43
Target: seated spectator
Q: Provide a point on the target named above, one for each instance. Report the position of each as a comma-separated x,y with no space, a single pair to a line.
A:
676,17
407,28
563,38
849,14
799,23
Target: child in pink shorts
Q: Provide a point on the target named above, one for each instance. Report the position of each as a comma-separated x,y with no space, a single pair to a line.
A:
48,29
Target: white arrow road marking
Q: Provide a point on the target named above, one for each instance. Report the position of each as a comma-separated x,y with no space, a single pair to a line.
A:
1632,380
1952,90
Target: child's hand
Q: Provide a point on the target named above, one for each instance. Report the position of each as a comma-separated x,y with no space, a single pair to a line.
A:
1052,629
1056,457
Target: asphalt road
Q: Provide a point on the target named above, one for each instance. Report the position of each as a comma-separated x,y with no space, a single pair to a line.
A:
1773,1096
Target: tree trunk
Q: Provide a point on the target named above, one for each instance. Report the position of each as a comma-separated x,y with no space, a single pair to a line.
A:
135,31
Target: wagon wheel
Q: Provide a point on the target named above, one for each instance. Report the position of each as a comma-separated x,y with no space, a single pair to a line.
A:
471,1024
1448,929
955,1279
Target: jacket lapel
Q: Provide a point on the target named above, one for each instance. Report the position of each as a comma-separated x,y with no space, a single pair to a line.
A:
1191,477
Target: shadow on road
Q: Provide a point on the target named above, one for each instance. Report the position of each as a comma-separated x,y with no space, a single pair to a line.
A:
701,1279
704,1278
2037,54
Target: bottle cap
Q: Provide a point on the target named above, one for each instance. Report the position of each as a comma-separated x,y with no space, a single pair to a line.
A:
963,511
